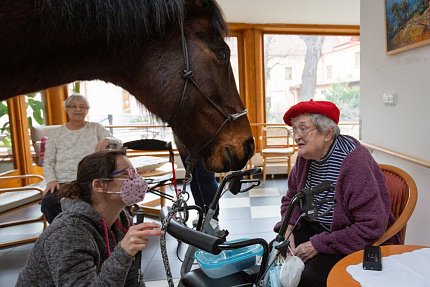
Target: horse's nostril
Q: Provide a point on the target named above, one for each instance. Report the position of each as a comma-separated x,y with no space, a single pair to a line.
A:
248,148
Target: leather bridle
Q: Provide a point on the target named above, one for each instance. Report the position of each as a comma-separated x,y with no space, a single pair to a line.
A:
188,76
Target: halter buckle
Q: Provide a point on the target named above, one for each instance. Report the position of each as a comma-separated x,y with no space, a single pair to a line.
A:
233,117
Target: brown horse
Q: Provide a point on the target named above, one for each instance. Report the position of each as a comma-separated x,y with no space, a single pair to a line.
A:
169,54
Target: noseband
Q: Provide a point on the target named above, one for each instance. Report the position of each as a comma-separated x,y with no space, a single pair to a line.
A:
188,76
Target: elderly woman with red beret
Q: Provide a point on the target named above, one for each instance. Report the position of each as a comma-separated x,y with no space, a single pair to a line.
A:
355,214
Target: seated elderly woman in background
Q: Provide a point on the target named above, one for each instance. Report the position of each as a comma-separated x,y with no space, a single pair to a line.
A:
92,242
66,146
352,216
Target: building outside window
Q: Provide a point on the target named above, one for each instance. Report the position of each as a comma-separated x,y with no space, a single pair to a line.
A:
303,67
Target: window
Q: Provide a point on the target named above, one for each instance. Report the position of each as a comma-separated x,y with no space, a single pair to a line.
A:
234,57
288,73
357,59
111,105
35,116
303,67
35,109
329,72
5,139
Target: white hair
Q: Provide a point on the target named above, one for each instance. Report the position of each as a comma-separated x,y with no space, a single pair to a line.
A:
323,124
73,97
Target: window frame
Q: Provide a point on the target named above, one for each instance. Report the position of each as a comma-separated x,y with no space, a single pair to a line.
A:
251,61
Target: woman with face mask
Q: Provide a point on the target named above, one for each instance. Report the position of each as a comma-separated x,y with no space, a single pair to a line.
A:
92,241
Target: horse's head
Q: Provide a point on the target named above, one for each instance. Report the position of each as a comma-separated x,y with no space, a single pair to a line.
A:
138,45
202,103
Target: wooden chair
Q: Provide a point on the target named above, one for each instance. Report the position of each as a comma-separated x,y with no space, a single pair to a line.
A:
403,193
277,147
37,133
17,198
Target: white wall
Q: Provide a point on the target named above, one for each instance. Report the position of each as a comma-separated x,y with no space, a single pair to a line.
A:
403,127
346,12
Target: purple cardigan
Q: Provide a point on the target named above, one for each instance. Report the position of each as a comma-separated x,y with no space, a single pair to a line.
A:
362,212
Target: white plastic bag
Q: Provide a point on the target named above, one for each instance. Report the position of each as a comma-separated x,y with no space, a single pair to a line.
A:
291,271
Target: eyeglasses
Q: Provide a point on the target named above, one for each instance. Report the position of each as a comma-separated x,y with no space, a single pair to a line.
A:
129,172
302,131
84,108
123,174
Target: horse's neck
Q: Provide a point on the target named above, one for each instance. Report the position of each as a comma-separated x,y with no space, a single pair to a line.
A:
31,61
40,68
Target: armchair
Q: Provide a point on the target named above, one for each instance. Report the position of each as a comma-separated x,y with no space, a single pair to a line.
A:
17,198
403,193
37,133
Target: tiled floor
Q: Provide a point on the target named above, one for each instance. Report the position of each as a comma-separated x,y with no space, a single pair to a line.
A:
247,215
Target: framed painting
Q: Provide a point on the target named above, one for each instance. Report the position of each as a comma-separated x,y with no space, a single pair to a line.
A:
407,24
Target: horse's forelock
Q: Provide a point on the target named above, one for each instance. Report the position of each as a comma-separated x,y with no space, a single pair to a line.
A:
123,19
218,22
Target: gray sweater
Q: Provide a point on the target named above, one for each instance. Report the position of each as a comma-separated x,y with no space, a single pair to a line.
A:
72,251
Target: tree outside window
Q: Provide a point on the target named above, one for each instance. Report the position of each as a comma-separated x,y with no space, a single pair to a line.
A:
320,67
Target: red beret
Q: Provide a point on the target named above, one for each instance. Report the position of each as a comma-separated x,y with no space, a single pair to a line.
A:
324,108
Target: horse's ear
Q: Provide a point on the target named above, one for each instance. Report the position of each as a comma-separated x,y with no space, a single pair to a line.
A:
211,9
199,5
193,5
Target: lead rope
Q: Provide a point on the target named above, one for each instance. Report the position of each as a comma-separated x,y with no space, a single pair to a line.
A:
172,160
178,204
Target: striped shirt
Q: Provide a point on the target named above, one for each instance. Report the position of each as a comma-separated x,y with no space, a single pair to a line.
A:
328,170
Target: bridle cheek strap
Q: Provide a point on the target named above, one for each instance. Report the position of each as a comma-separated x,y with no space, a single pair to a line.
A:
188,76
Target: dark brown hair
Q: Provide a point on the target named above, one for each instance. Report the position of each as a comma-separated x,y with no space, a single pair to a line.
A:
100,164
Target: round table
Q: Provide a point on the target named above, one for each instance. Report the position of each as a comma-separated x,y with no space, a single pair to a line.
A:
338,277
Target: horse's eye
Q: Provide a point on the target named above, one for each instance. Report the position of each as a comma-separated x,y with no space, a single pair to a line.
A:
223,55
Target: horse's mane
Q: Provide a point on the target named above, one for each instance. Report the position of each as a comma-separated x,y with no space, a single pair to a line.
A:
131,20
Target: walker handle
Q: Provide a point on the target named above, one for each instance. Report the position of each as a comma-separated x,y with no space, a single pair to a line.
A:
190,236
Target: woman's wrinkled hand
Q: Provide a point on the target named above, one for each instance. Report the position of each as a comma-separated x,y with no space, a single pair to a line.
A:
305,251
136,237
51,186
103,144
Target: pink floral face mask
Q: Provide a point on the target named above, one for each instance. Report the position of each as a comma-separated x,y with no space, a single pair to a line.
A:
133,188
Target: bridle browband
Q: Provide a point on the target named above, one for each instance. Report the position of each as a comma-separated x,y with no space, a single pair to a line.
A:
188,76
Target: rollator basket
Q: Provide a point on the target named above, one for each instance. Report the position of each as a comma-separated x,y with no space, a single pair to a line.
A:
228,261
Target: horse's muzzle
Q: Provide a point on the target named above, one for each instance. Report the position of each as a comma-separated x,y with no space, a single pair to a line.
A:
237,163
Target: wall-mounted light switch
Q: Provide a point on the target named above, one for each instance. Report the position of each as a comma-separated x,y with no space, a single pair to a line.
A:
389,99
